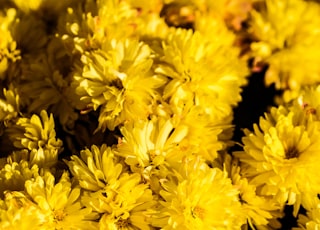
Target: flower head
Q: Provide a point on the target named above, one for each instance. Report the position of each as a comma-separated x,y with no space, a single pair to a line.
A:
280,156
150,143
42,157
200,72
18,212
47,9
127,204
118,78
122,199
35,133
29,41
288,42
261,211
95,168
310,220
199,197
113,15
147,144
8,46
45,84
60,203
9,105
13,176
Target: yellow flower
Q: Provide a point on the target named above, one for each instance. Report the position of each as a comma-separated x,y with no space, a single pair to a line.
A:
199,197
95,168
306,98
18,212
48,9
43,158
233,12
198,122
73,29
113,15
280,156
118,78
150,143
288,41
149,25
201,71
310,220
260,210
8,47
13,175
126,204
147,144
122,199
45,84
60,203
9,105
30,41
27,6
35,133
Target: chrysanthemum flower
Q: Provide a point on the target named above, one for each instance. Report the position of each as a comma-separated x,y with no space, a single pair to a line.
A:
111,16
261,210
280,156
233,12
149,25
198,122
201,71
13,175
43,158
288,41
147,144
73,29
48,9
95,168
35,132
18,212
60,203
199,197
45,84
118,78
310,220
9,105
306,98
122,199
126,204
8,47
29,40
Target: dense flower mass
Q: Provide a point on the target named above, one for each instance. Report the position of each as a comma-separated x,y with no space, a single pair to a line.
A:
120,114
287,41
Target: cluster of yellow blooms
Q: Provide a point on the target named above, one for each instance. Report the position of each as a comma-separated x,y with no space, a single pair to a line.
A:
118,114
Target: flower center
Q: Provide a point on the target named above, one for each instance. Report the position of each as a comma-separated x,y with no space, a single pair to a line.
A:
59,215
123,223
292,152
117,83
198,212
